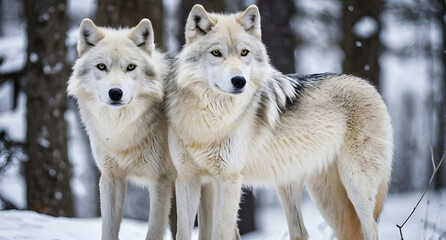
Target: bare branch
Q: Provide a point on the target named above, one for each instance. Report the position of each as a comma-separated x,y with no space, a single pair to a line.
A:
436,167
432,156
8,149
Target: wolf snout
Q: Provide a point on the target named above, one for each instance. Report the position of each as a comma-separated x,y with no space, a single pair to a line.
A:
115,94
238,82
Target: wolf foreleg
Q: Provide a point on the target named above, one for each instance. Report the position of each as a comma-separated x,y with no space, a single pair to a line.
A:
229,189
187,188
112,194
160,199
205,211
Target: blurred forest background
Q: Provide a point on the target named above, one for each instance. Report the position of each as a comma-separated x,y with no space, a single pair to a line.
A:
45,158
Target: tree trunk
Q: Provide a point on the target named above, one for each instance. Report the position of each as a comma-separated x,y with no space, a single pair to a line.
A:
361,48
1,19
406,148
277,34
234,5
128,14
47,170
439,147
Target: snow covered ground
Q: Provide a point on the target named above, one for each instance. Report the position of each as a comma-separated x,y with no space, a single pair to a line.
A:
428,222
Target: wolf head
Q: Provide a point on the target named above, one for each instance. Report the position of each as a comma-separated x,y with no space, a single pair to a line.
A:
117,69
222,52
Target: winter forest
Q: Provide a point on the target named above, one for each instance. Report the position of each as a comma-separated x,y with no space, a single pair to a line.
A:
49,180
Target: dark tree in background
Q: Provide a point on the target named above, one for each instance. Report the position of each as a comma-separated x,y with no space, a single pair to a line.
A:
406,148
235,5
128,14
1,17
276,17
47,170
361,52
439,147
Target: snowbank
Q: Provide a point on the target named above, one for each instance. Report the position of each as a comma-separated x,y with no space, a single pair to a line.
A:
428,222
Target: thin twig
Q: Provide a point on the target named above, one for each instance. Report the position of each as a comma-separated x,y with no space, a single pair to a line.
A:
436,167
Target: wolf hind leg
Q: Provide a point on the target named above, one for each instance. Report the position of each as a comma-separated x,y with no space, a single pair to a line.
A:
330,196
366,189
290,195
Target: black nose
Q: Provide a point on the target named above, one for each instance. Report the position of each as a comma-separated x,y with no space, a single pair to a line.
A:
115,94
238,81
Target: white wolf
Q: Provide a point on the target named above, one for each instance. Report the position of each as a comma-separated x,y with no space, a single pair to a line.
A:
118,82
234,119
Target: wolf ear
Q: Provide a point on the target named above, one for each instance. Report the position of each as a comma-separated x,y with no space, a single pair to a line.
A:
250,20
143,35
89,35
198,23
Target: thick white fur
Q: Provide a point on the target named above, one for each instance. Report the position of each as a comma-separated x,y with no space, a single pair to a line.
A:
129,141
336,138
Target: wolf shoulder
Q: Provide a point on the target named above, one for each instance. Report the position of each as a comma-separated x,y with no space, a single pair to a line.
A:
317,79
335,85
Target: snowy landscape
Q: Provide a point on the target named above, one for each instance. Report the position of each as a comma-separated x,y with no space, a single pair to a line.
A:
409,83
428,222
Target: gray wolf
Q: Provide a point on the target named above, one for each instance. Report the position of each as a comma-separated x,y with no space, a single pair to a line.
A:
118,81
234,119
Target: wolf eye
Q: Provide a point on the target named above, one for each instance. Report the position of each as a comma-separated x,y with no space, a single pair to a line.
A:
101,66
131,67
244,52
216,53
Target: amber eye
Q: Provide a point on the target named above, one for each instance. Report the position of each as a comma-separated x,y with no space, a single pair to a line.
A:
101,66
244,52
216,53
131,67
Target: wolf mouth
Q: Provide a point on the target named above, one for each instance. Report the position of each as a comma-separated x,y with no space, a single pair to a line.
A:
237,91
233,92
116,103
